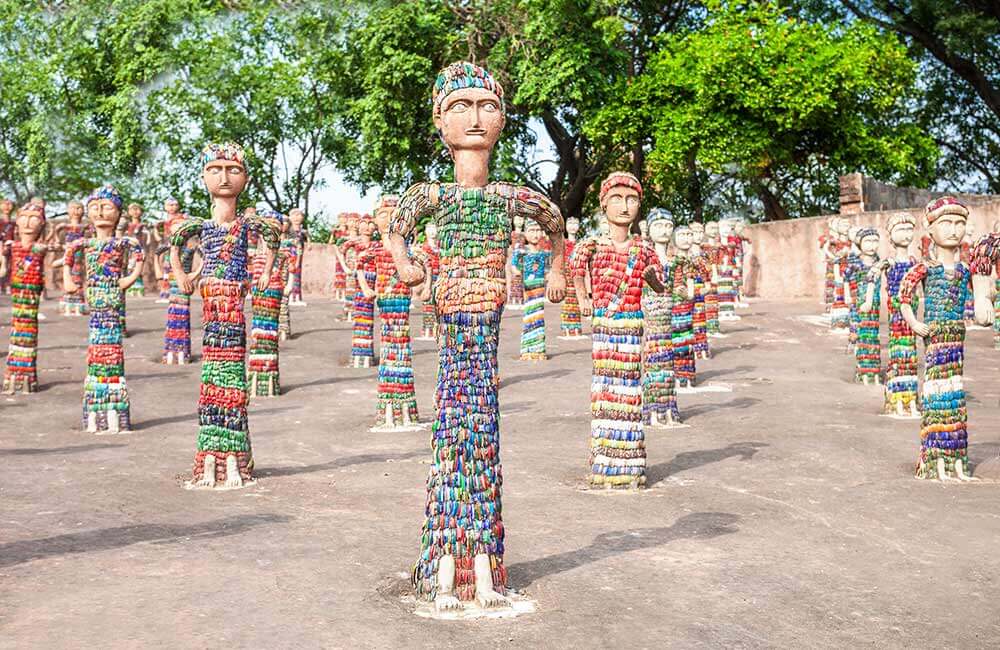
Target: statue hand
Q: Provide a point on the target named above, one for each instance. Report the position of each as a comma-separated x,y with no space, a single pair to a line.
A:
985,314
185,283
921,329
411,274
586,306
263,281
68,285
555,289
425,294
368,293
866,306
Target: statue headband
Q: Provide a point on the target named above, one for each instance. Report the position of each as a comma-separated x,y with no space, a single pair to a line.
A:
945,205
33,208
272,215
107,192
616,179
387,201
864,232
225,151
463,74
657,215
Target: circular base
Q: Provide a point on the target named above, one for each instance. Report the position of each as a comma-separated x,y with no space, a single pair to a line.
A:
471,610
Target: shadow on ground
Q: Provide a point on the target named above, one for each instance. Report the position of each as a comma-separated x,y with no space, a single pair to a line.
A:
691,459
103,539
698,525
347,461
41,451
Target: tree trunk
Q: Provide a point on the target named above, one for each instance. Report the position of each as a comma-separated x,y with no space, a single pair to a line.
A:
773,210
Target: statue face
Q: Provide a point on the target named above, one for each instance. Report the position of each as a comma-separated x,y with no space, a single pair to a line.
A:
75,212
297,217
171,207
518,222
366,227
725,228
643,228
134,211
225,178
6,207
697,232
572,225
431,231
947,231
661,231
683,238
869,245
93,209
29,223
533,233
621,205
712,230
843,226
902,235
739,227
107,214
470,119
381,219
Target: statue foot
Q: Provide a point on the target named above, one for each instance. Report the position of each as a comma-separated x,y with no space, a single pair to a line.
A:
92,422
489,599
960,472
208,472
233,478
446,603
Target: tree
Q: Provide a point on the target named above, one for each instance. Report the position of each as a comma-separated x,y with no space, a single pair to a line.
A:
775,104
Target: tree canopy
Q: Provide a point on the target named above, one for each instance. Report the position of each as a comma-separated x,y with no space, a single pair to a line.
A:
720,106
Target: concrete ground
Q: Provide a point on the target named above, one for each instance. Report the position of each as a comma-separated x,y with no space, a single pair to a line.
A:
785,516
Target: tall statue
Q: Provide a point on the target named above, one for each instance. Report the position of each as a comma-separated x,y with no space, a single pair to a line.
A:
836,250
363,306
570,326
8,225
702,282
396,406
827,260
712,251
136,229
177,336
868,346
172,209
659,393
680,278
726,271
461,555
985,262
432,263
529,264
901,366
111,266
946,283
27,258
299,234
338,235
224,457
263,361
618,265
515,286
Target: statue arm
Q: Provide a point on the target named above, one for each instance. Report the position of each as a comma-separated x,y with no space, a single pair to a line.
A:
580,268
136,257
417,202
907,291
185,231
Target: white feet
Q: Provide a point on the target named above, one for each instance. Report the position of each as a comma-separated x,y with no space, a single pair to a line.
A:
92,422
233,478
445,599
960,472
486,596
208,472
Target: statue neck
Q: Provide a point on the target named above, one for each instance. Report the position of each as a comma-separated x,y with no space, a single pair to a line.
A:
902,253
472,167
224,209
618,234
661,251
104,231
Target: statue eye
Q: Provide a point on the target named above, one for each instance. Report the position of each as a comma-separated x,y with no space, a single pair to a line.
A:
459,106
490,107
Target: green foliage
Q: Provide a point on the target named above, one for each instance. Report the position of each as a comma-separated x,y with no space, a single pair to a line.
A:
772,102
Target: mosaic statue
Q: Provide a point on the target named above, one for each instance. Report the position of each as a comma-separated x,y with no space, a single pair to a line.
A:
570,325
618,265
659,393
72,303
946,283
224,458
529,264
462,544
901,362
866,307
111,265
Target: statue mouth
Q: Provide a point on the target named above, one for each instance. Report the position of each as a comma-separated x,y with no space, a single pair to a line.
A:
475,132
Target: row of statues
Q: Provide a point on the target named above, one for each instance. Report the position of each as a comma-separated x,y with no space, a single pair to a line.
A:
652,304
953,282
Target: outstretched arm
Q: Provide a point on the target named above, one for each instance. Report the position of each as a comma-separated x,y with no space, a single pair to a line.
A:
418,201
580,269
907,290
188,229
136,258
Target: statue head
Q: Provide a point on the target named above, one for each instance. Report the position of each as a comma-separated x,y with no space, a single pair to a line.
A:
843,226
643,229
946,220
697,231
661,225
383,210
352,220
533,232
683,237
725,228
867,240
171,206
31,221
134,211
104,207
74,209
224,169
430,231
6,207
852,234
518,222
366,225
712,231
275,219
296,217
901,226
739,225
572,226
468,107
621,196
